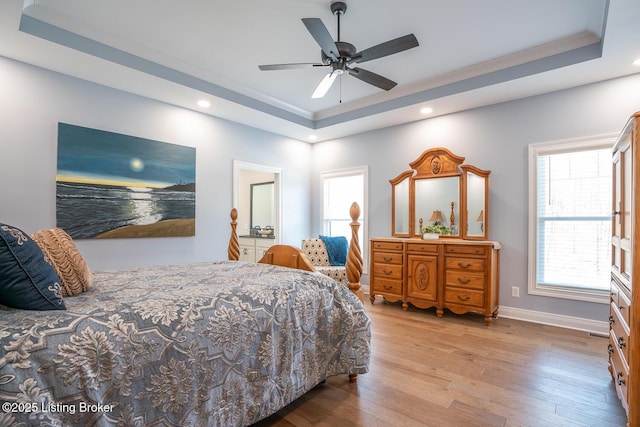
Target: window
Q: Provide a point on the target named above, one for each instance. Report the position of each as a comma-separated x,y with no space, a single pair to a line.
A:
339,190
570,219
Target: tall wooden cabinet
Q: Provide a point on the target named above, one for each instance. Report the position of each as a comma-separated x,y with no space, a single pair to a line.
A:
624,319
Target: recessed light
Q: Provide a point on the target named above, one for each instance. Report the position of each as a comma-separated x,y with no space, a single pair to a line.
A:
637,62
426,110
313,137
204,103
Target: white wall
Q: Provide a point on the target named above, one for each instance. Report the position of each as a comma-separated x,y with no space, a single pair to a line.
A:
494,138
33,101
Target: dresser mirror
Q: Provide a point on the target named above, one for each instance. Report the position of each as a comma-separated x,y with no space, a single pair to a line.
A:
400,202
437,201
443,196
477,188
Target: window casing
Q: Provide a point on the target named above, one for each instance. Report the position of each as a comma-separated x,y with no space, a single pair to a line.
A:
570,219
339,189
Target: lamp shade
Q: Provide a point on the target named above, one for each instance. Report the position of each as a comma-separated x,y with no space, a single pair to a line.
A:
480,216
436,216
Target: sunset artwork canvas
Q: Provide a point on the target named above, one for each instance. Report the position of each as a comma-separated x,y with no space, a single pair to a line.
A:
111,185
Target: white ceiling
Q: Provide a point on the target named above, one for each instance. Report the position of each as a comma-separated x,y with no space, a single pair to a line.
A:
471,53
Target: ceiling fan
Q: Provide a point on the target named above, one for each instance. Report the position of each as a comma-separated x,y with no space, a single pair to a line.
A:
342,57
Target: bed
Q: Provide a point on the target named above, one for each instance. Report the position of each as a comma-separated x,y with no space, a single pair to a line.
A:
207,344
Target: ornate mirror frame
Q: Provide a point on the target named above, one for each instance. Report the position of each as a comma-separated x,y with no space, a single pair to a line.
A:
472,189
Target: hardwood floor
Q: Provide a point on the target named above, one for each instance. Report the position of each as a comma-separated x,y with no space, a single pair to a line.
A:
456,371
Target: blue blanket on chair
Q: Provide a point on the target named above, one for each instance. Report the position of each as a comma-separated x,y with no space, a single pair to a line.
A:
337,248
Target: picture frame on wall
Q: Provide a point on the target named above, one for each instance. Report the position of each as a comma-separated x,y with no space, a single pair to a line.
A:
110,185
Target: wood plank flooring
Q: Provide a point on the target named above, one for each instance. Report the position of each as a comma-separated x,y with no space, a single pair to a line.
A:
456,371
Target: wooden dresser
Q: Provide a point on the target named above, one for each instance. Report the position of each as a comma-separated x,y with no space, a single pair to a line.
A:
624,319
458,275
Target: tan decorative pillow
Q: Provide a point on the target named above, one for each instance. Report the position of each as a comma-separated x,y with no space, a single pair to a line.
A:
62,253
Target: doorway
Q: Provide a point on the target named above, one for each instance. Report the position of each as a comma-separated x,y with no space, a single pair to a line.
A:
245,176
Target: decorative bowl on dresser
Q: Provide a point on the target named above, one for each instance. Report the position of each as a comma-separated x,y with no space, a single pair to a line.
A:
459,271
624,318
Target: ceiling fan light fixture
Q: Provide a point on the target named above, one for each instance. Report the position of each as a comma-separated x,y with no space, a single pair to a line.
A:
343,57
325,84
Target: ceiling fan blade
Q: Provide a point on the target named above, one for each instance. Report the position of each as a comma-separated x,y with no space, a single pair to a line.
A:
387,48
322,37
373,78
289,66
324,85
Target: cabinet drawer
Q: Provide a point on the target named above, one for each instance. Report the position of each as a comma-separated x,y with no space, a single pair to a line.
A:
620,373
615,291
422,248
467,264
387,258
388,246
388,286
466,249
624,305
464,279
264,243
469,297
387,271
619,332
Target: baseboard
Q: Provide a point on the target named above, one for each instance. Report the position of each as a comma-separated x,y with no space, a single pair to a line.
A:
596,327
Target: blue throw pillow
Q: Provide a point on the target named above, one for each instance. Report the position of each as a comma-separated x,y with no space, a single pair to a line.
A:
337,248
27,280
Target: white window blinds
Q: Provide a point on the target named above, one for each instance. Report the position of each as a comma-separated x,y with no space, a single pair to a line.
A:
573,218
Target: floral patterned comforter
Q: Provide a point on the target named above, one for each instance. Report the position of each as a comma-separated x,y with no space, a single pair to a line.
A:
206,344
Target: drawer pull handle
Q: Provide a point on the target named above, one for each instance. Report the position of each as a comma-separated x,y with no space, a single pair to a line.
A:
611,320
610,348
621,342
387,272
387,259
464,282
461,265
387,287
620,379
464,298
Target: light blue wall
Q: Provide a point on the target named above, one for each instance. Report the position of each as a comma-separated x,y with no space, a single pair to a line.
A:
33,101
494,138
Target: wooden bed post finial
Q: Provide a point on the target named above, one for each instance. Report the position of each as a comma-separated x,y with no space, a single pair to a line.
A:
233,252
354,257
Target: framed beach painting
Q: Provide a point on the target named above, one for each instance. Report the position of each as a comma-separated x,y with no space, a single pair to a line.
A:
110,185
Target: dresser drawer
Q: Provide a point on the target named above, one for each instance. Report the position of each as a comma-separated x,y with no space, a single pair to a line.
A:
422,248
620,373
389,286
467,264
387,271
624,305
615,291
388,246
468,297
620,331
466,249
387,258
463,279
